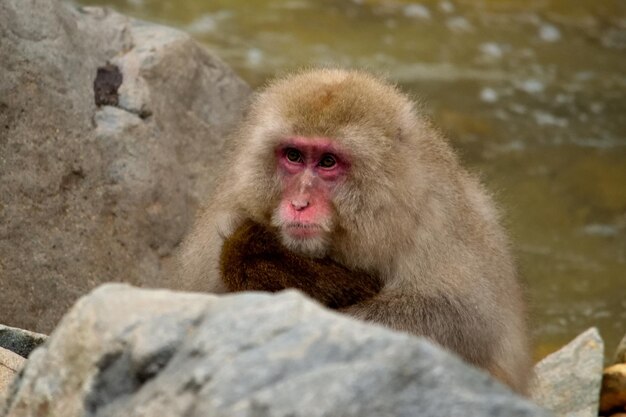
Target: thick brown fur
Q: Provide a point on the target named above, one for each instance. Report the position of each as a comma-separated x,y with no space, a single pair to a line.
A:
253,259
407,213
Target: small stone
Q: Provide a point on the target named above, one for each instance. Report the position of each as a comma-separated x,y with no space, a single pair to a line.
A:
613,393
543,118
597,108
489,95
549,33
204,24
254,56
567,382
446,6
459,24
532,86
491,49
417,11
603,230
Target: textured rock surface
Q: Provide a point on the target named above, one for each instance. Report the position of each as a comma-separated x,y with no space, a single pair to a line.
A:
159,353
10,364
20,341
568,381
93,194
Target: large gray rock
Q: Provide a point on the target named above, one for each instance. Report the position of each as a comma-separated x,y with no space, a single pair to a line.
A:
98,193
123,351
568,381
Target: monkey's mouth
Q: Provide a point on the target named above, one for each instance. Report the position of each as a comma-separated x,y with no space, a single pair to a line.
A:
303,230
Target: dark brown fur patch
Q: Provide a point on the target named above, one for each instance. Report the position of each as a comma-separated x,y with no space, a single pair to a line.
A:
253,259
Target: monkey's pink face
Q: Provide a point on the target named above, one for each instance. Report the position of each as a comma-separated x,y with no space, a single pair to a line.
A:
309,170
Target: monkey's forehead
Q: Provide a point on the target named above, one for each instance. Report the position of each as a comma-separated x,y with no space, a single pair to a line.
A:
323,102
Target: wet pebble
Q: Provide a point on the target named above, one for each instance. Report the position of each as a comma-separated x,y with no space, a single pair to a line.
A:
549,33
416,11
254,56
446,6
488,95
459,24
532,86
491,49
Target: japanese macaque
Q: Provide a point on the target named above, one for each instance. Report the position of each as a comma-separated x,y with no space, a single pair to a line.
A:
345,173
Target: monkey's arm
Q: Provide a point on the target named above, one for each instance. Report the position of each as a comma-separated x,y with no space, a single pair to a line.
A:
444,318
454,322
252,259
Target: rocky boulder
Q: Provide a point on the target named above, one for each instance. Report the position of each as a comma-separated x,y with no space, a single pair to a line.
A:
123,351
567,382
110,134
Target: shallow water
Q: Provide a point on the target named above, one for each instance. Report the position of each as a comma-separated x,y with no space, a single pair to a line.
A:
532,94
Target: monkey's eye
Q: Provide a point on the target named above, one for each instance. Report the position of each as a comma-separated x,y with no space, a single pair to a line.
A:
327,161
293,155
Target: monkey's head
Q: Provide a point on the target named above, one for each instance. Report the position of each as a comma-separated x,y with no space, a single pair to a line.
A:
323,157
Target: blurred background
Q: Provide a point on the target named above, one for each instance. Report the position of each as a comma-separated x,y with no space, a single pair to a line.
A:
532,94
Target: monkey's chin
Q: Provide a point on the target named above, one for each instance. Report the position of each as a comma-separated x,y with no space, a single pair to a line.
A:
309,243
308,239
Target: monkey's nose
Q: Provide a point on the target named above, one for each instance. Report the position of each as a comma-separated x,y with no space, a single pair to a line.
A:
299,205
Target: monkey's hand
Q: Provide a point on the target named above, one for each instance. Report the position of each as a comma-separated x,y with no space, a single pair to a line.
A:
253,259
